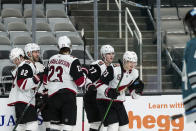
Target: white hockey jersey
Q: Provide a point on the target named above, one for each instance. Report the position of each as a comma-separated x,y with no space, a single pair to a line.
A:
64,72
95,71
23,85
41,69
111,77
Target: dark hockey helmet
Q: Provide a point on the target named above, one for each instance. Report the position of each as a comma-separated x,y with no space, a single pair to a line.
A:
190,20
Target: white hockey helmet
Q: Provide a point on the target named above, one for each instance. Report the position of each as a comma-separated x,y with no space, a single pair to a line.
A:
64,41
31,47
106,49
16,53
130,56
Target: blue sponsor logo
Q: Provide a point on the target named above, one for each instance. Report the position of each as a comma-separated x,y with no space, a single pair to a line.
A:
9,120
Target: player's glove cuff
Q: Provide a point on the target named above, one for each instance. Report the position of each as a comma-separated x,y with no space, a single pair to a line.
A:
111,93
91,87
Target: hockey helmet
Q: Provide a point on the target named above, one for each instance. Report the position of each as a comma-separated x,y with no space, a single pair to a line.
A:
16,53
190,20
130,56
31,47
106,49
64,41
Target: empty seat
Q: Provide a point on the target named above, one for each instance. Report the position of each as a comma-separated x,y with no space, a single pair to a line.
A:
38,6
7,77
2,28
28,13
48,53
39,10
40,27
53,21
4,40
20,37
45,38
64,27
22,40
38,20
4,54
78,51
16,26
43,27
55,14
55,6
12,19
74,36
11,13
16,6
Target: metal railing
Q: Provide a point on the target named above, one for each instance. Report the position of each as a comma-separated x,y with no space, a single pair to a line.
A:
135,32
144,7
118,3
172,62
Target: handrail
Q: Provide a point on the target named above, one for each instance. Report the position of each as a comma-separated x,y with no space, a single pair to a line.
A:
137,33
118,4
145,7
172,63
133,4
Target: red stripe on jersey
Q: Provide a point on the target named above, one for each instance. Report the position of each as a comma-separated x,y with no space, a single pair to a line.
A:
45,79
19,82
24,85
80,81
99,83
121,88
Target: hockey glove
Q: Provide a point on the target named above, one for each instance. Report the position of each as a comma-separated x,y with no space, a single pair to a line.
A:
40,67
85,70
91,87
138,85
41,100
111,93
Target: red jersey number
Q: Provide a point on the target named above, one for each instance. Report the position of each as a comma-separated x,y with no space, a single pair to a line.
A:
59,71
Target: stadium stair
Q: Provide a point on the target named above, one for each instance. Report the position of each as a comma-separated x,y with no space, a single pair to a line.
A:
82,16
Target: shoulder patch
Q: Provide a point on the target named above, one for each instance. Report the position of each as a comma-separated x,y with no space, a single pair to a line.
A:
116,65
101,63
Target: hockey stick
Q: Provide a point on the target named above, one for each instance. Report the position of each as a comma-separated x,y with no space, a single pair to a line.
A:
110,104
84,39
182,114
27,106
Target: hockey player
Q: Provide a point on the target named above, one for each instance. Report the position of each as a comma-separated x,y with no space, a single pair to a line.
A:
107,90
24,84
32,51
64,76
95,71
189,68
